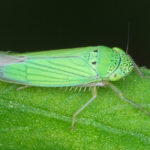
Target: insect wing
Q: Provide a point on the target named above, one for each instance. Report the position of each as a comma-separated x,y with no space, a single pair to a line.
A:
49,69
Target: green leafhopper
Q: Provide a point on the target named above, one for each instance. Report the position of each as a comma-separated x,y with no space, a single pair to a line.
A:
75,67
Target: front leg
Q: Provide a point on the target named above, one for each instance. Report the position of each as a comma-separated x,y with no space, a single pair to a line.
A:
84,106
116,90
139,71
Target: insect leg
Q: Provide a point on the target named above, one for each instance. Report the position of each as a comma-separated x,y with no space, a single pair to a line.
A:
139,71
84,106
115,89
75,88
66,88
70,88
85,88
23,87
80,88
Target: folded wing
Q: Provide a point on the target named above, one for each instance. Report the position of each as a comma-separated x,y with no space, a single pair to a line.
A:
47,71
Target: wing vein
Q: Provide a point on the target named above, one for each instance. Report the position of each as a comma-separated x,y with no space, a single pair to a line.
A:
60,70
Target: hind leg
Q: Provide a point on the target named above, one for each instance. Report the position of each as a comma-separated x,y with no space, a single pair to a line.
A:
22,87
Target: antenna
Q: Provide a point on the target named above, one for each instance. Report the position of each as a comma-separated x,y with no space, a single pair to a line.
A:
128,38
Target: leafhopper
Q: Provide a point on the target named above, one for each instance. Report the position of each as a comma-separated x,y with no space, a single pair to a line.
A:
91,66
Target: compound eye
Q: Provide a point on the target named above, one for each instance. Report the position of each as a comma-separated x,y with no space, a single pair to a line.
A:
115,75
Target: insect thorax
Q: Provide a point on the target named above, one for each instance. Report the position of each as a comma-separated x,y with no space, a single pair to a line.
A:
113,63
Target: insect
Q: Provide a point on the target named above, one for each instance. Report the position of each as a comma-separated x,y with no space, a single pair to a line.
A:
76,67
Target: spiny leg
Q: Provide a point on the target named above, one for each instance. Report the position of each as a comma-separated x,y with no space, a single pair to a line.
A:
114,88
83,107
75,88
139,71
80,89
85,88
70,88
23,87
66,88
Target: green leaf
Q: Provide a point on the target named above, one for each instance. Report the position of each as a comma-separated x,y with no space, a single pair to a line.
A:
40,118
